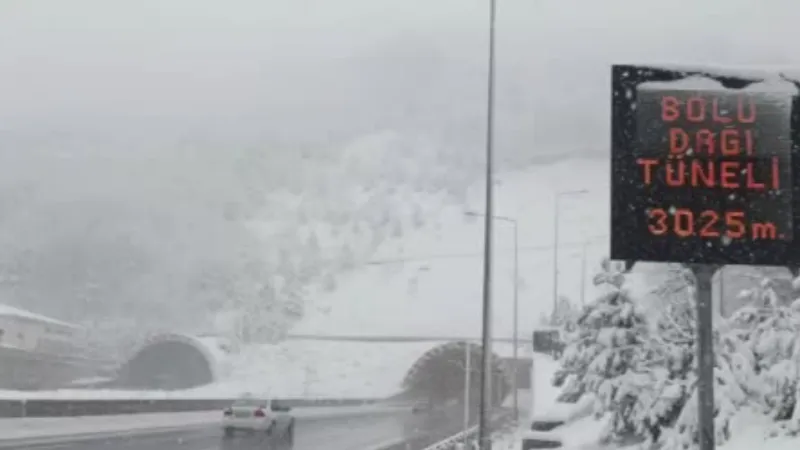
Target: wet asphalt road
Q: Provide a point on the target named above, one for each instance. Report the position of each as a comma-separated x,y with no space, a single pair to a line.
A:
344,433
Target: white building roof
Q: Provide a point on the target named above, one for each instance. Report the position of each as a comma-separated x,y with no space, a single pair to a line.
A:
10,311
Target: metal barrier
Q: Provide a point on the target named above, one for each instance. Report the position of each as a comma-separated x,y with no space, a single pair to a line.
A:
502,423
72,408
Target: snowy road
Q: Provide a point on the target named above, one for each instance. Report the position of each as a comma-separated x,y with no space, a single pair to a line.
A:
343,433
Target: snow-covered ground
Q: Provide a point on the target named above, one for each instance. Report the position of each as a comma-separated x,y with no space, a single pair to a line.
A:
751,428
750,432
544,394
322,368
429,281
306,368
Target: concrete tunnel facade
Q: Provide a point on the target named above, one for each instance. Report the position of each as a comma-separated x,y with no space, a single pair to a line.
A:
170,361
440,374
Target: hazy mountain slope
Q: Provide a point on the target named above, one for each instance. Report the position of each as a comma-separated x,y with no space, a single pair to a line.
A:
429,282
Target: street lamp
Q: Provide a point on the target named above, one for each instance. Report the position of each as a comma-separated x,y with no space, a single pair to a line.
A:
515,313
484,436
559,196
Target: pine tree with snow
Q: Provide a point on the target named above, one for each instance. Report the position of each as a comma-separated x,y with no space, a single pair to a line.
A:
643,375
781,379
767,326
770,332
603,355
735,381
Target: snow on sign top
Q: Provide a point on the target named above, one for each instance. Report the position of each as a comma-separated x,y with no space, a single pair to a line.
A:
696,76
775,84
702,165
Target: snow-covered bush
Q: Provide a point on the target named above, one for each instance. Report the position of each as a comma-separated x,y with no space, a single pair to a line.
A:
642,369
608,354
769,330
735,379
755,365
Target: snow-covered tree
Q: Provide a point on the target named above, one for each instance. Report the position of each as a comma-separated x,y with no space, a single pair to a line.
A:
643,374
605,354
735,381
769,330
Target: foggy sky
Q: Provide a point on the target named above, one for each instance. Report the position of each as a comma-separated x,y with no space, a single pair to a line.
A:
148,132
232,63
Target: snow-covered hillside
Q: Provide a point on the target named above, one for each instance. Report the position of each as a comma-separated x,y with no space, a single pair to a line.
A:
320,369
429,281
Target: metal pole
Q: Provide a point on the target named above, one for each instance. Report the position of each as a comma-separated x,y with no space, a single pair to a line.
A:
722,292
705,354
484,434
555,242
532,412
516,322
467,385
555,257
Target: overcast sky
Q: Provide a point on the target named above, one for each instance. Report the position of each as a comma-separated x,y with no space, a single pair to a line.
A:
148,118
236,59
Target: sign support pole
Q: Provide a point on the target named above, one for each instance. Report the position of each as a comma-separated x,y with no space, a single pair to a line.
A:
705,353
660,214
706,407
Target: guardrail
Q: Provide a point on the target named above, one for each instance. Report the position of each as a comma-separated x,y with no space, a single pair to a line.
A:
73,408
501,424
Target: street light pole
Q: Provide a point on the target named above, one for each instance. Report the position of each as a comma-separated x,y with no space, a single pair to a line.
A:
484,435
555,259
515,313
467,386
516,323
559,196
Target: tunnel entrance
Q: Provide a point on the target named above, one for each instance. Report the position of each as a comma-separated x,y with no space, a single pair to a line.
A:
167,362
442,373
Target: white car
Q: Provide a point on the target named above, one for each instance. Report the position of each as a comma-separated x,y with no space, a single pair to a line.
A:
255,415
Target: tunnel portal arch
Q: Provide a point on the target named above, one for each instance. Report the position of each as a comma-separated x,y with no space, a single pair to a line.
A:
439,374
168,361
